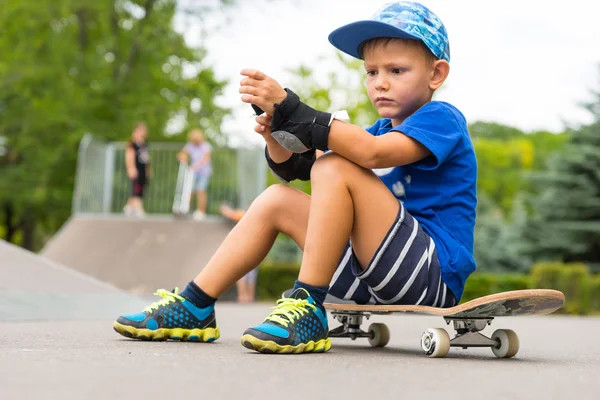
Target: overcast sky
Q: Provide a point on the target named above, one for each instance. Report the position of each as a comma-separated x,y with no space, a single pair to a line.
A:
525,63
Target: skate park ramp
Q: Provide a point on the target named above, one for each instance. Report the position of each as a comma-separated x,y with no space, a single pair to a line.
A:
34,288
138,255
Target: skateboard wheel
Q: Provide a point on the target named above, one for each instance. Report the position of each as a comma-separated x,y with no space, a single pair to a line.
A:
435,342
508,343
379,334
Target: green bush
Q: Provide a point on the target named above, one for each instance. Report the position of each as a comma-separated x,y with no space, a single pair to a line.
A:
483,284
571,278
274,279
594,293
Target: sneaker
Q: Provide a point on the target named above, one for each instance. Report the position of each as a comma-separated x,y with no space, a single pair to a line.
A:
128,210
328,299
199,215
172,317
296,325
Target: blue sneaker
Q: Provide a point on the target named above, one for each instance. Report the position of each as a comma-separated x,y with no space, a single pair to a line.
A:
173,317
296,325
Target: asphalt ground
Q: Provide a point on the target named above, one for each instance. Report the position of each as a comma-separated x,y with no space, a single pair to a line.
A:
559,359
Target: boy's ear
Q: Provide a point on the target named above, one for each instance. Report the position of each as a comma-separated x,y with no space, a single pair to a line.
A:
439,73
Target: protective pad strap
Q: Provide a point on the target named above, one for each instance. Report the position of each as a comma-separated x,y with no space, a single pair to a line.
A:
320,130
298,166
309,125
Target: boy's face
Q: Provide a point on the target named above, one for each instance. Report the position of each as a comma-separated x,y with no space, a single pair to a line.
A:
398,78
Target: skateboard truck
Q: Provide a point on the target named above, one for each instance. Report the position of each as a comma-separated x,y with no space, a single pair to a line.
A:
378,334
468,332
350,326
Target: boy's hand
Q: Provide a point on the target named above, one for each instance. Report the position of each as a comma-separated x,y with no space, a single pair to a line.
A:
263,126
259,89
182,157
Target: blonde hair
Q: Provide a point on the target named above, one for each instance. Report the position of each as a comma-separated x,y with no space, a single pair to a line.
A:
196,135
382,41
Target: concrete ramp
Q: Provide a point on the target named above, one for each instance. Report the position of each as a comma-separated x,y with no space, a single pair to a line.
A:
34,288
137,255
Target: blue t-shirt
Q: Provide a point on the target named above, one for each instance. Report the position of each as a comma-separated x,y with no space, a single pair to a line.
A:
440,190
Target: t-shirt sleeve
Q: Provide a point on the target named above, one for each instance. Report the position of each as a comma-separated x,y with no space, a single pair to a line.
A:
435,127
207,147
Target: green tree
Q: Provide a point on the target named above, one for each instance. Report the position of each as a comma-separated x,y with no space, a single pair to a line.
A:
506,156
72,66
566,225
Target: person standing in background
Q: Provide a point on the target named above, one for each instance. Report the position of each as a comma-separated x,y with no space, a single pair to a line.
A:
197,153
139,171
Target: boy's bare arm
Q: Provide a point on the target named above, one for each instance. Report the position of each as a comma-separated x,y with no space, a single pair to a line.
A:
368,151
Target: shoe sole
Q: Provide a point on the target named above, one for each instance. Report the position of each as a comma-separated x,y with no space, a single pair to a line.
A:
179,334
270,347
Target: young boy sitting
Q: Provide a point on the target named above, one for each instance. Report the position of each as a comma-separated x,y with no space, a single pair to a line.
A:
392,211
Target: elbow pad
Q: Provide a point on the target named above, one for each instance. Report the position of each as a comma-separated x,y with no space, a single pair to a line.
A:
298,166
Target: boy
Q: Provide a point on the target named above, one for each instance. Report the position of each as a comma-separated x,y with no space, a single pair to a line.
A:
392,211
197,153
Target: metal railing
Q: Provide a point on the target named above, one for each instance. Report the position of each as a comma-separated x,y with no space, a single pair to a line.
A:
102,186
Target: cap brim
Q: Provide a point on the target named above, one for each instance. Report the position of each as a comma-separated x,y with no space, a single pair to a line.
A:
348,38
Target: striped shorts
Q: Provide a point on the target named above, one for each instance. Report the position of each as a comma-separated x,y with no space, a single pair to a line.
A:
404,270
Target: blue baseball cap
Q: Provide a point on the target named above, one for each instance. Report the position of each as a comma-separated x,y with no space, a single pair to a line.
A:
401,19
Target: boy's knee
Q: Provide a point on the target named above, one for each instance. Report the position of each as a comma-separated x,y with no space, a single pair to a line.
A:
330,165
273,196
275,191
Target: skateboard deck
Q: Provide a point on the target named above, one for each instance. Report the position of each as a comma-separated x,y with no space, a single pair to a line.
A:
469,319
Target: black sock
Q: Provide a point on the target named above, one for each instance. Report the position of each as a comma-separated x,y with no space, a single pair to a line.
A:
197,296
318,293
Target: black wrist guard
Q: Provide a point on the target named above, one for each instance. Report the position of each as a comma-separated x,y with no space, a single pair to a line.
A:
298,166
298,127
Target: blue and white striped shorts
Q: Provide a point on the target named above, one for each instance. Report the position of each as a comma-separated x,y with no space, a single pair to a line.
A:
404,270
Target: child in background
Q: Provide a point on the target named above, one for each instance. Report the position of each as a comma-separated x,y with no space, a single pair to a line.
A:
197,152
139,170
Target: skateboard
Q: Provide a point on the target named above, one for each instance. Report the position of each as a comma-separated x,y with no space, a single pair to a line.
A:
468,319
183,190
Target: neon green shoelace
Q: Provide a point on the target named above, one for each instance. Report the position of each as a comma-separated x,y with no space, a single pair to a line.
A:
167,297
288,309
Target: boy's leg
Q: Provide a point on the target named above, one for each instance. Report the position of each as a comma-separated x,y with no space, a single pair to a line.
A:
347,202
392,260
279,209
190,316
201,198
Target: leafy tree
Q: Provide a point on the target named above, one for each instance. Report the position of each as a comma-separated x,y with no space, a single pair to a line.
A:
498,244
566,225
344,88
72,66
506,156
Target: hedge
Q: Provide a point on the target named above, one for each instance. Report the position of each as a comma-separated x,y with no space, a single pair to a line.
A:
581,288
